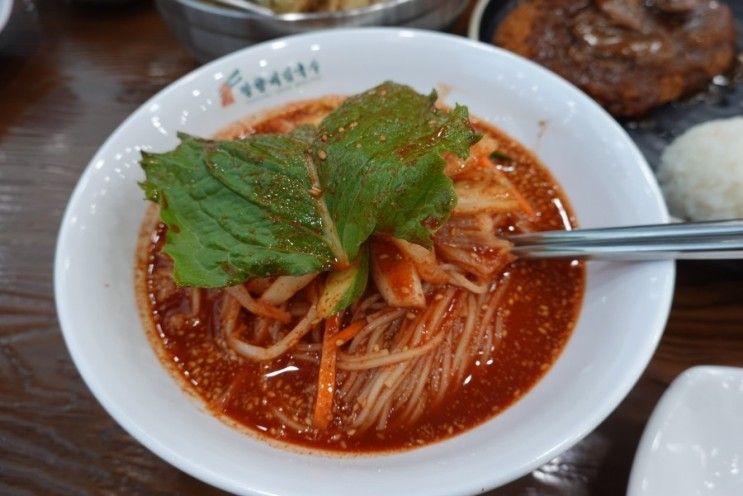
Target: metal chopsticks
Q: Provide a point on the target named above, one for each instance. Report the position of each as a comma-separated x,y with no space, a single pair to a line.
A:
691,240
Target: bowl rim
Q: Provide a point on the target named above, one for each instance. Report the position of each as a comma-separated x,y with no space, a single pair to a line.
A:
580,428
298,17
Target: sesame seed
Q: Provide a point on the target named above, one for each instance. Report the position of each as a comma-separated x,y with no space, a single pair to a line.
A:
322,154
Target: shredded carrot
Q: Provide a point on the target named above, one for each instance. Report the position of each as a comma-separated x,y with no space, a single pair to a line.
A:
525,205
326,380
349,332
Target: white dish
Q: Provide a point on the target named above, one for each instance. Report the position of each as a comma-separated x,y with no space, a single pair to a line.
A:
601,170
693,443
6,8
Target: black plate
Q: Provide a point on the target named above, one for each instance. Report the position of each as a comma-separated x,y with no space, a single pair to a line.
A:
723,98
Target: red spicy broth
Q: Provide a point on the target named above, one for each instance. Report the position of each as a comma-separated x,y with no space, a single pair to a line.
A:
538,311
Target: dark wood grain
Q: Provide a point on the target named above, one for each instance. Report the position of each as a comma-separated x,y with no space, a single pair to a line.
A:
69,74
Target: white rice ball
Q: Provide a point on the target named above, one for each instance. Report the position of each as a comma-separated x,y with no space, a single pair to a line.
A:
701,172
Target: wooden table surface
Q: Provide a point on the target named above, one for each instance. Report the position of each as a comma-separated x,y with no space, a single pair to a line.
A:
69,74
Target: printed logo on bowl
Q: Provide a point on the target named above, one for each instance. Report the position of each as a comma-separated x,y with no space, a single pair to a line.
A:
249,85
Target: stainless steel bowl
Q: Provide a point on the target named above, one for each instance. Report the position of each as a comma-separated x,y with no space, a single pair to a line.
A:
210,30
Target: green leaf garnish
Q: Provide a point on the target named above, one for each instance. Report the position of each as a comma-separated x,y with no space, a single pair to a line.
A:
306,201
237,209
344,287
383,165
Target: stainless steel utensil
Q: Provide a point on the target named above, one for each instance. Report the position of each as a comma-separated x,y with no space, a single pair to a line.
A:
691,240
211,30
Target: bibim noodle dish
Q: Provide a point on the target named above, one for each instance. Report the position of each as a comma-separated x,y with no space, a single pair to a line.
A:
334,274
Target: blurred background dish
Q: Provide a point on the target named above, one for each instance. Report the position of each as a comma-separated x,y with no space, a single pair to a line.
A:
211,30
7,10
630,56
6,7
693,443
653,132
103,2
285,6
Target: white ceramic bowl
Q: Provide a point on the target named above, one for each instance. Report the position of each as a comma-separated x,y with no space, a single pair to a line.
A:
603,173
693,443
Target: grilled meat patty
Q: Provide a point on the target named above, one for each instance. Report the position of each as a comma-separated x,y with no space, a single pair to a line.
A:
629,55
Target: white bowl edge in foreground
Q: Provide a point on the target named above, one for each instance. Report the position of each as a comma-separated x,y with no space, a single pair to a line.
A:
693,443
601,170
